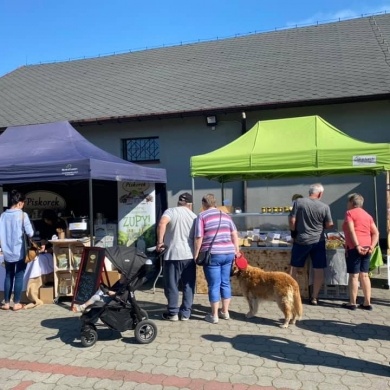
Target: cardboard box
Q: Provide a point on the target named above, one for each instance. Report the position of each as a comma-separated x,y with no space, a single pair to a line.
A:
46,294
113,277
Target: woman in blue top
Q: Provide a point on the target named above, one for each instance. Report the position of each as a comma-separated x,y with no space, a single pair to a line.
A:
14,222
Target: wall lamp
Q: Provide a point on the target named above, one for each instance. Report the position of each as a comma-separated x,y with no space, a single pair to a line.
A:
211,121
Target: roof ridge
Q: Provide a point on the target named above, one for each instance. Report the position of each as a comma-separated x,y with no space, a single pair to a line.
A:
205,40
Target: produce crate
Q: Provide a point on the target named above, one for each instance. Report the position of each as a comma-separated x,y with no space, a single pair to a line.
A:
329,291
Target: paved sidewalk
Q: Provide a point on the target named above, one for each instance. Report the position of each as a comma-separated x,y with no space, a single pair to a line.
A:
330,348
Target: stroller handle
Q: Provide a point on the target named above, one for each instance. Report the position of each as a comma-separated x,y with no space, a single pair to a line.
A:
152,249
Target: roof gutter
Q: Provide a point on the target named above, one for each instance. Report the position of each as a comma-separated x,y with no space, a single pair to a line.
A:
231,109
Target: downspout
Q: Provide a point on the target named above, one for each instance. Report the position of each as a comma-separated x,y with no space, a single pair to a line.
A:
244,183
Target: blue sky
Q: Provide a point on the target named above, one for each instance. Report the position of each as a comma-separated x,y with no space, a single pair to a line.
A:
41,31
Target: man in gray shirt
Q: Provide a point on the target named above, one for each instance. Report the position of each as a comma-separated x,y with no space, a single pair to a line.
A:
308,219
176,231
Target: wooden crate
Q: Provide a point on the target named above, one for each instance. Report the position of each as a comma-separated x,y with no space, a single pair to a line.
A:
333,292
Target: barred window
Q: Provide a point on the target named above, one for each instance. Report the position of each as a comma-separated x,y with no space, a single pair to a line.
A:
141,149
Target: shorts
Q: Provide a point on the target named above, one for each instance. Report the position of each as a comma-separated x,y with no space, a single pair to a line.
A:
357,263
317,252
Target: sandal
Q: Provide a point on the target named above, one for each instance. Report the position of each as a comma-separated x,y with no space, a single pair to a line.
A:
349,306
78,308
18,306
313,301
368,307
5,306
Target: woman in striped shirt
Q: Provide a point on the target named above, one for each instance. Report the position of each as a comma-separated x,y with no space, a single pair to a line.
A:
209,224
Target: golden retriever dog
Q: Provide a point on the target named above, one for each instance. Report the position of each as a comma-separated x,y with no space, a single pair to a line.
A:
257,284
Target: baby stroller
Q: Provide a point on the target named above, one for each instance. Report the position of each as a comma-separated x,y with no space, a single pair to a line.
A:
122,313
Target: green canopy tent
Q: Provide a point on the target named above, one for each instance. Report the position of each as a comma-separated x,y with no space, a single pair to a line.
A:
293,147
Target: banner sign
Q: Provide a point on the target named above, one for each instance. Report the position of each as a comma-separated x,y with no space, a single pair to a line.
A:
136,214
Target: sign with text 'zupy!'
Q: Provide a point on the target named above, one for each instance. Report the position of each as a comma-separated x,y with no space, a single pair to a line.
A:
136,214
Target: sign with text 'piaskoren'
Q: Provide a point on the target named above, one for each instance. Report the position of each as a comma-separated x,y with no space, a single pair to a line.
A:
44,200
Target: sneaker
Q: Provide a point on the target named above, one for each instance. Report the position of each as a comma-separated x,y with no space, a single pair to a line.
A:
183,318
168,317
211,319
224,316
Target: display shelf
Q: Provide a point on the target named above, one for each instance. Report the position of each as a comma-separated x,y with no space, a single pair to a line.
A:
264,222
66,257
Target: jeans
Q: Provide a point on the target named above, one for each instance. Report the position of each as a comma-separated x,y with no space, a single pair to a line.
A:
218,277
14,273
174,272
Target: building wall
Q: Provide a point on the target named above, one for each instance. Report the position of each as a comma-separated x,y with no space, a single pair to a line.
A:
185,137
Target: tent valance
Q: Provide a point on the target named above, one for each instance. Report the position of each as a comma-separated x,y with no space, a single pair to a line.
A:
58,152
293,147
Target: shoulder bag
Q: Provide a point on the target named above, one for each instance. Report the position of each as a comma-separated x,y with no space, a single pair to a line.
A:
204,258
32,249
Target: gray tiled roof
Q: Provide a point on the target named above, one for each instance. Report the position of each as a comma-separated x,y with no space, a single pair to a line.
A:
348,59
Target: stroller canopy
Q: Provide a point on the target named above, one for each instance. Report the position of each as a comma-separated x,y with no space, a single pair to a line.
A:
128,260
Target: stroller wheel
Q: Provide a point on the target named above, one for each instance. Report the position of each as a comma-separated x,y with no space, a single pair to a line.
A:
89,337
145,331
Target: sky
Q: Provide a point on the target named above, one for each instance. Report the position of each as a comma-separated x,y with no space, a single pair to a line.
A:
45,31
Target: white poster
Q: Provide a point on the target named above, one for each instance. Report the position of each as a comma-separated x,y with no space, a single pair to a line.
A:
136,214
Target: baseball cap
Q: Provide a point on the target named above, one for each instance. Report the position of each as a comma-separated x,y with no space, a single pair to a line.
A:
185,197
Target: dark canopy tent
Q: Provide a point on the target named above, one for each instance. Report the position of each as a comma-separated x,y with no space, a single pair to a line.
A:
58,152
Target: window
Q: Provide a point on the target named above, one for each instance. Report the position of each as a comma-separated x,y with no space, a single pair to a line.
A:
141,150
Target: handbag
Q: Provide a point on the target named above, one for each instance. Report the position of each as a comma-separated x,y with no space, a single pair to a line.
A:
204,258
32,248
32,252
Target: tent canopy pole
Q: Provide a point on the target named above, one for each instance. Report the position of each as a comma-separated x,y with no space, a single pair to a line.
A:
193,193
91,212
376,201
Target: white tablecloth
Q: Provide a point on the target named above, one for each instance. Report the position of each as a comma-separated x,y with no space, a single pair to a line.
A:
41,266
